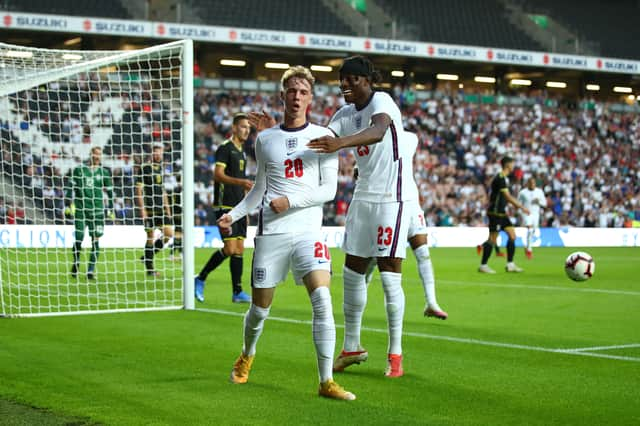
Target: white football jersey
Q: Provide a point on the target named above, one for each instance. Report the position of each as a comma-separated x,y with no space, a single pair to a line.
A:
533,200
286,167
380,165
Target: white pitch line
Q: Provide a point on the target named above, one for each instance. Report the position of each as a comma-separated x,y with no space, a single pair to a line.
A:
525,286
604,348
544,287
447,338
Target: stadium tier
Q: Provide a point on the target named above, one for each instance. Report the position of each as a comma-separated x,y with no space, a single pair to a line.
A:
479,23
106,9
312,16
613,39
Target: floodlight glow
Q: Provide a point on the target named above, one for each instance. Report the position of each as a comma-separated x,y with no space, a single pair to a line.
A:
321,68
451,77
71,57
520,82
557,84
482,79
233,62
622,89
276,65
21,54
72,41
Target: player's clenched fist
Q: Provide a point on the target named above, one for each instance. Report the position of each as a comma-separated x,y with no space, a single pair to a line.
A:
280,204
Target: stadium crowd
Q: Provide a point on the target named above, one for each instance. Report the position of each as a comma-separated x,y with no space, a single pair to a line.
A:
587,160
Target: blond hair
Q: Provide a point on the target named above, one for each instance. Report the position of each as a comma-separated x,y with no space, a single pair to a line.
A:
297,71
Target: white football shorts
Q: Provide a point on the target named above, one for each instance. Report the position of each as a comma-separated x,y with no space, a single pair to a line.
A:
532,220
275,254
376,229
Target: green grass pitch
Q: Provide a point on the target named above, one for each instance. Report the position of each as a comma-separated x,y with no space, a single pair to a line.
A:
530,348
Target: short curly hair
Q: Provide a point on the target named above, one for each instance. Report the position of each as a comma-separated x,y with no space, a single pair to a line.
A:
297,71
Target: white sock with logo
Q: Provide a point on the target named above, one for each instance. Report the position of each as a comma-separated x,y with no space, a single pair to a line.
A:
394,303
324,331
253,324
355,300
425,270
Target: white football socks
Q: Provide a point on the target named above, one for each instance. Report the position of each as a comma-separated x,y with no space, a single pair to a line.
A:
324,331
425,270
355,300
394,303
253,324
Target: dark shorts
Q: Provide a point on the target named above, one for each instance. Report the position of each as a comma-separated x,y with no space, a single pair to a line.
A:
238,229
499,223
90,219
156,219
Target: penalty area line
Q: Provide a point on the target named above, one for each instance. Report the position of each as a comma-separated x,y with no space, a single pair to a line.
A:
447,338
543,287
413,279
603,348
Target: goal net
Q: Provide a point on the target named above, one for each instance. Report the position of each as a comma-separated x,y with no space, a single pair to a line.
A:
96,175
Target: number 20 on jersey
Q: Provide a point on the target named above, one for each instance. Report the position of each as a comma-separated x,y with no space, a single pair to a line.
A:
293,168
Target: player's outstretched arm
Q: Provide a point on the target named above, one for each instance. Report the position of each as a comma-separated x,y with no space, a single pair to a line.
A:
370,135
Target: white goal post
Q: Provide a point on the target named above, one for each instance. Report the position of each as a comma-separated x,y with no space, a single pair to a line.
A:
96,180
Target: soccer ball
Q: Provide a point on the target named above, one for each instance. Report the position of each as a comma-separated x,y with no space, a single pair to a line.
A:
579,266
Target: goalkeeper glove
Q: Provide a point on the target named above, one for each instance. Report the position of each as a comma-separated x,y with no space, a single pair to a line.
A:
110,214
70,210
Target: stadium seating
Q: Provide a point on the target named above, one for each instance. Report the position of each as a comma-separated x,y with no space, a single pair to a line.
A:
621,17
478,23
104,9
287,15
457,156
461,141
